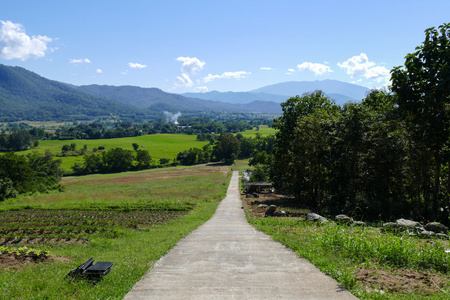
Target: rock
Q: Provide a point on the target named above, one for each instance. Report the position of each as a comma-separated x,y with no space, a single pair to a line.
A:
249,196
442,236
263,206
343,219
256,195
359,223
271,210
402,225
390,227
316,218
408,224
436,227
279,213
427,233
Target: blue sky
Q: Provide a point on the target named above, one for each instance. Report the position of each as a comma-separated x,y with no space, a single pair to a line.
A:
181,46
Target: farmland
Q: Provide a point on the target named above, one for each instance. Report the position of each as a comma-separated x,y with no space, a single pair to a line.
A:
159,146
130,218
264,130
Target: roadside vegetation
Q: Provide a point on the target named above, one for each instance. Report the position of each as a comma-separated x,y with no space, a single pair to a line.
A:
369,263
130,218
384,158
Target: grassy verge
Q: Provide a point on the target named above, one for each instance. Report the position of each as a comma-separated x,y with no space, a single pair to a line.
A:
369,264
113,206
241,165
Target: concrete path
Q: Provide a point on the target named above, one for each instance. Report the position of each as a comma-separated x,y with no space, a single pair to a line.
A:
227,258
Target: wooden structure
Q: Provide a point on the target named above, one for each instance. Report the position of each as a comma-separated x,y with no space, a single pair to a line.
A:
252,187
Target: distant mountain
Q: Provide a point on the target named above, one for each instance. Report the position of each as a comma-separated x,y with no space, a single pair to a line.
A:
341,92
237,97
338,90
156,99
24,95
153,98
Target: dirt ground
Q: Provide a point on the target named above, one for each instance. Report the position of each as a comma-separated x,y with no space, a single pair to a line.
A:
14,261
402,281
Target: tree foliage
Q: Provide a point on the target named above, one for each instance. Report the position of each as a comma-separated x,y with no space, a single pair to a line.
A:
386,157
423,97
28,174
226,148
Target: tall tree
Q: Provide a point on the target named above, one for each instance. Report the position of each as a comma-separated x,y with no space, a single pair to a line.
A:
423,96
227,148
286,173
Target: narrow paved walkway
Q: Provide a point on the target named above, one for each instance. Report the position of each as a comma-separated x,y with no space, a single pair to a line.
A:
227,258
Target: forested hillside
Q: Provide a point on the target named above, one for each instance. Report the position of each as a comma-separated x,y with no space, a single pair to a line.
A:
25,95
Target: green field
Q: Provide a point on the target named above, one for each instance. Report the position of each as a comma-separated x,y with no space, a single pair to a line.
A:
264,130
130,218
158,145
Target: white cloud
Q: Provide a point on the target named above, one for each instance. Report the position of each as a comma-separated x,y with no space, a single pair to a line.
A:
16,44
291,71
136,66
360,66
227,75
265,68
378,74
99,71
317,69
80,61
191,65
183,81
201,89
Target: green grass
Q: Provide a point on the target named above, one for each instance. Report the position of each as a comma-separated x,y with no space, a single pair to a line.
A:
158,145
264,130
195,190
242,165
340,250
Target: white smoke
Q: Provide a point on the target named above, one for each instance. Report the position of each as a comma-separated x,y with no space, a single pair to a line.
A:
172,118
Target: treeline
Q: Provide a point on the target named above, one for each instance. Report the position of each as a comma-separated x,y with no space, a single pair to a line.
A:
28,174
21,139
383,158
117,160
365,159
227,147
17,137
129,129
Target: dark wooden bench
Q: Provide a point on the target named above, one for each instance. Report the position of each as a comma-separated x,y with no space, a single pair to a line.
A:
91,270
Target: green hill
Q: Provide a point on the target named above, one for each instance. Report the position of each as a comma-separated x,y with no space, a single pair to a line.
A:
24,95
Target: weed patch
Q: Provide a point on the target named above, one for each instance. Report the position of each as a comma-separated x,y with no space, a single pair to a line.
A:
370,264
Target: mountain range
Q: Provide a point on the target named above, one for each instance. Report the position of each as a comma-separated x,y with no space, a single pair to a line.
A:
339,91
25,95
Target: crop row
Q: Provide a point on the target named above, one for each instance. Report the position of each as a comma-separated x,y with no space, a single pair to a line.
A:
77,223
